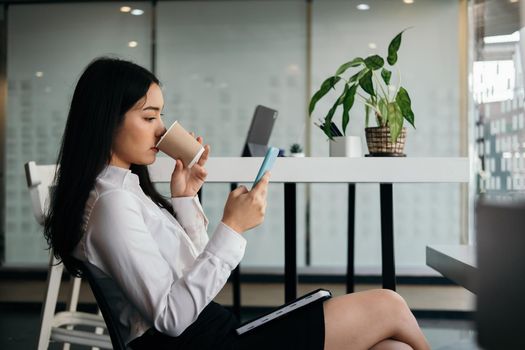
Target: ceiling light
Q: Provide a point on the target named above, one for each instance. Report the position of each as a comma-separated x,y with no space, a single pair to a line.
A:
132,44
39,74
499,39
125,9
408,1
137,12
363,7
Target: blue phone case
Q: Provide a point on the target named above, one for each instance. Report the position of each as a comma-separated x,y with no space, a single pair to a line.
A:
267,163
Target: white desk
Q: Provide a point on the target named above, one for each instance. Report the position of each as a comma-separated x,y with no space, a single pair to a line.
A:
384,171
329,170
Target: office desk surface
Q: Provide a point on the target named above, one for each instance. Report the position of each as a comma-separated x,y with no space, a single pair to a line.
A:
329,170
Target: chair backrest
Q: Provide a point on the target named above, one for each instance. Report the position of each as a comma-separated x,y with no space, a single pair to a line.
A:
501,285
39,180
107,294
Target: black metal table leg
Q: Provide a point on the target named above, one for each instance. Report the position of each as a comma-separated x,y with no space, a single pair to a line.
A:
236,282
387,236
351,239
290,244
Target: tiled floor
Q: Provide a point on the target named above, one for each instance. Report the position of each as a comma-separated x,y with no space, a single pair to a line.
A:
446,334
19,325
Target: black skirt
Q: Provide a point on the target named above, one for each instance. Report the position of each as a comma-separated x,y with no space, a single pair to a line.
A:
215,329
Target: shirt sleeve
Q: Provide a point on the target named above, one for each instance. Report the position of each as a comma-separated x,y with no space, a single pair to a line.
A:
190,215
119,243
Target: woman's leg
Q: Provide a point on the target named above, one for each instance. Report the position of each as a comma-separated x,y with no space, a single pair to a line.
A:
362,320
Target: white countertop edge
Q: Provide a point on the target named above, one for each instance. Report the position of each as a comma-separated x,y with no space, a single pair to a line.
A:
330,170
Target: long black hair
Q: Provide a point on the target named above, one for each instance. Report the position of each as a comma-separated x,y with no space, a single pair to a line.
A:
106,90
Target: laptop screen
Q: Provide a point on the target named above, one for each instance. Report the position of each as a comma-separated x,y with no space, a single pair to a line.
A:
259,132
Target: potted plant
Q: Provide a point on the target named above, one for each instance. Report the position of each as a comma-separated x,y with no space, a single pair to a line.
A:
371,85
296,150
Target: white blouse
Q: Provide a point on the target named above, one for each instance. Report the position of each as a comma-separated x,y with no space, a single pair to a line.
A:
167,268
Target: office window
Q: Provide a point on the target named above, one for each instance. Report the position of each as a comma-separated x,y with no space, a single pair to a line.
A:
498,93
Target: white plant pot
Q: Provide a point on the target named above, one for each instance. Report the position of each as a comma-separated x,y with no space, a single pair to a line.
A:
346,146
297,155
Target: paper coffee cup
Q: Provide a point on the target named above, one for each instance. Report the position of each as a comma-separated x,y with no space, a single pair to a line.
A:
179,144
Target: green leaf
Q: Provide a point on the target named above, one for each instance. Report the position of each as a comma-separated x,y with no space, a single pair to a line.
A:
386,75
341,98
366,83
395,121
374,62
393,48
404,102
325,87
347,105
353,63
383,109
358,75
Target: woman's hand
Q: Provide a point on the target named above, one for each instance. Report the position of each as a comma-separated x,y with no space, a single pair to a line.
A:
187,182
245,209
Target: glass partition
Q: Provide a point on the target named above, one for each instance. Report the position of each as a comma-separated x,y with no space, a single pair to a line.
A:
428,65
217,61
48,47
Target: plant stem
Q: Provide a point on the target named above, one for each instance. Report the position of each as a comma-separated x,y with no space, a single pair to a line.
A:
381,86
366,103
398,81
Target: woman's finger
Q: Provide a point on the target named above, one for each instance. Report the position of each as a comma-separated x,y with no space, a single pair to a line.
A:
178,167
263,183
205,155
240,190
199,139
200,171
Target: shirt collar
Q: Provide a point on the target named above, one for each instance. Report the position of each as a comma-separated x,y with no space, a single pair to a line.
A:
118,175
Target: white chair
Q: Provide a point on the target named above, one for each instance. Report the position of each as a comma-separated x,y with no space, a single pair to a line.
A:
60,326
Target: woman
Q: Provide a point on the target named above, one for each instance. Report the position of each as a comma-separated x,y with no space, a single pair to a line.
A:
106,211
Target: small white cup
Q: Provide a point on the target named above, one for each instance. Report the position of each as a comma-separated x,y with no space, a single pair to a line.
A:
346,146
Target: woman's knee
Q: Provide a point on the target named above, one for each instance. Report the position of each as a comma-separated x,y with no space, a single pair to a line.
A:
393,304
389,297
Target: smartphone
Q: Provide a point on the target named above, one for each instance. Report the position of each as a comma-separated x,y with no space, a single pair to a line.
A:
267,164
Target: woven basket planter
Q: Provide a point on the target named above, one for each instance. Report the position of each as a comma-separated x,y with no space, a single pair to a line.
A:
380,145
